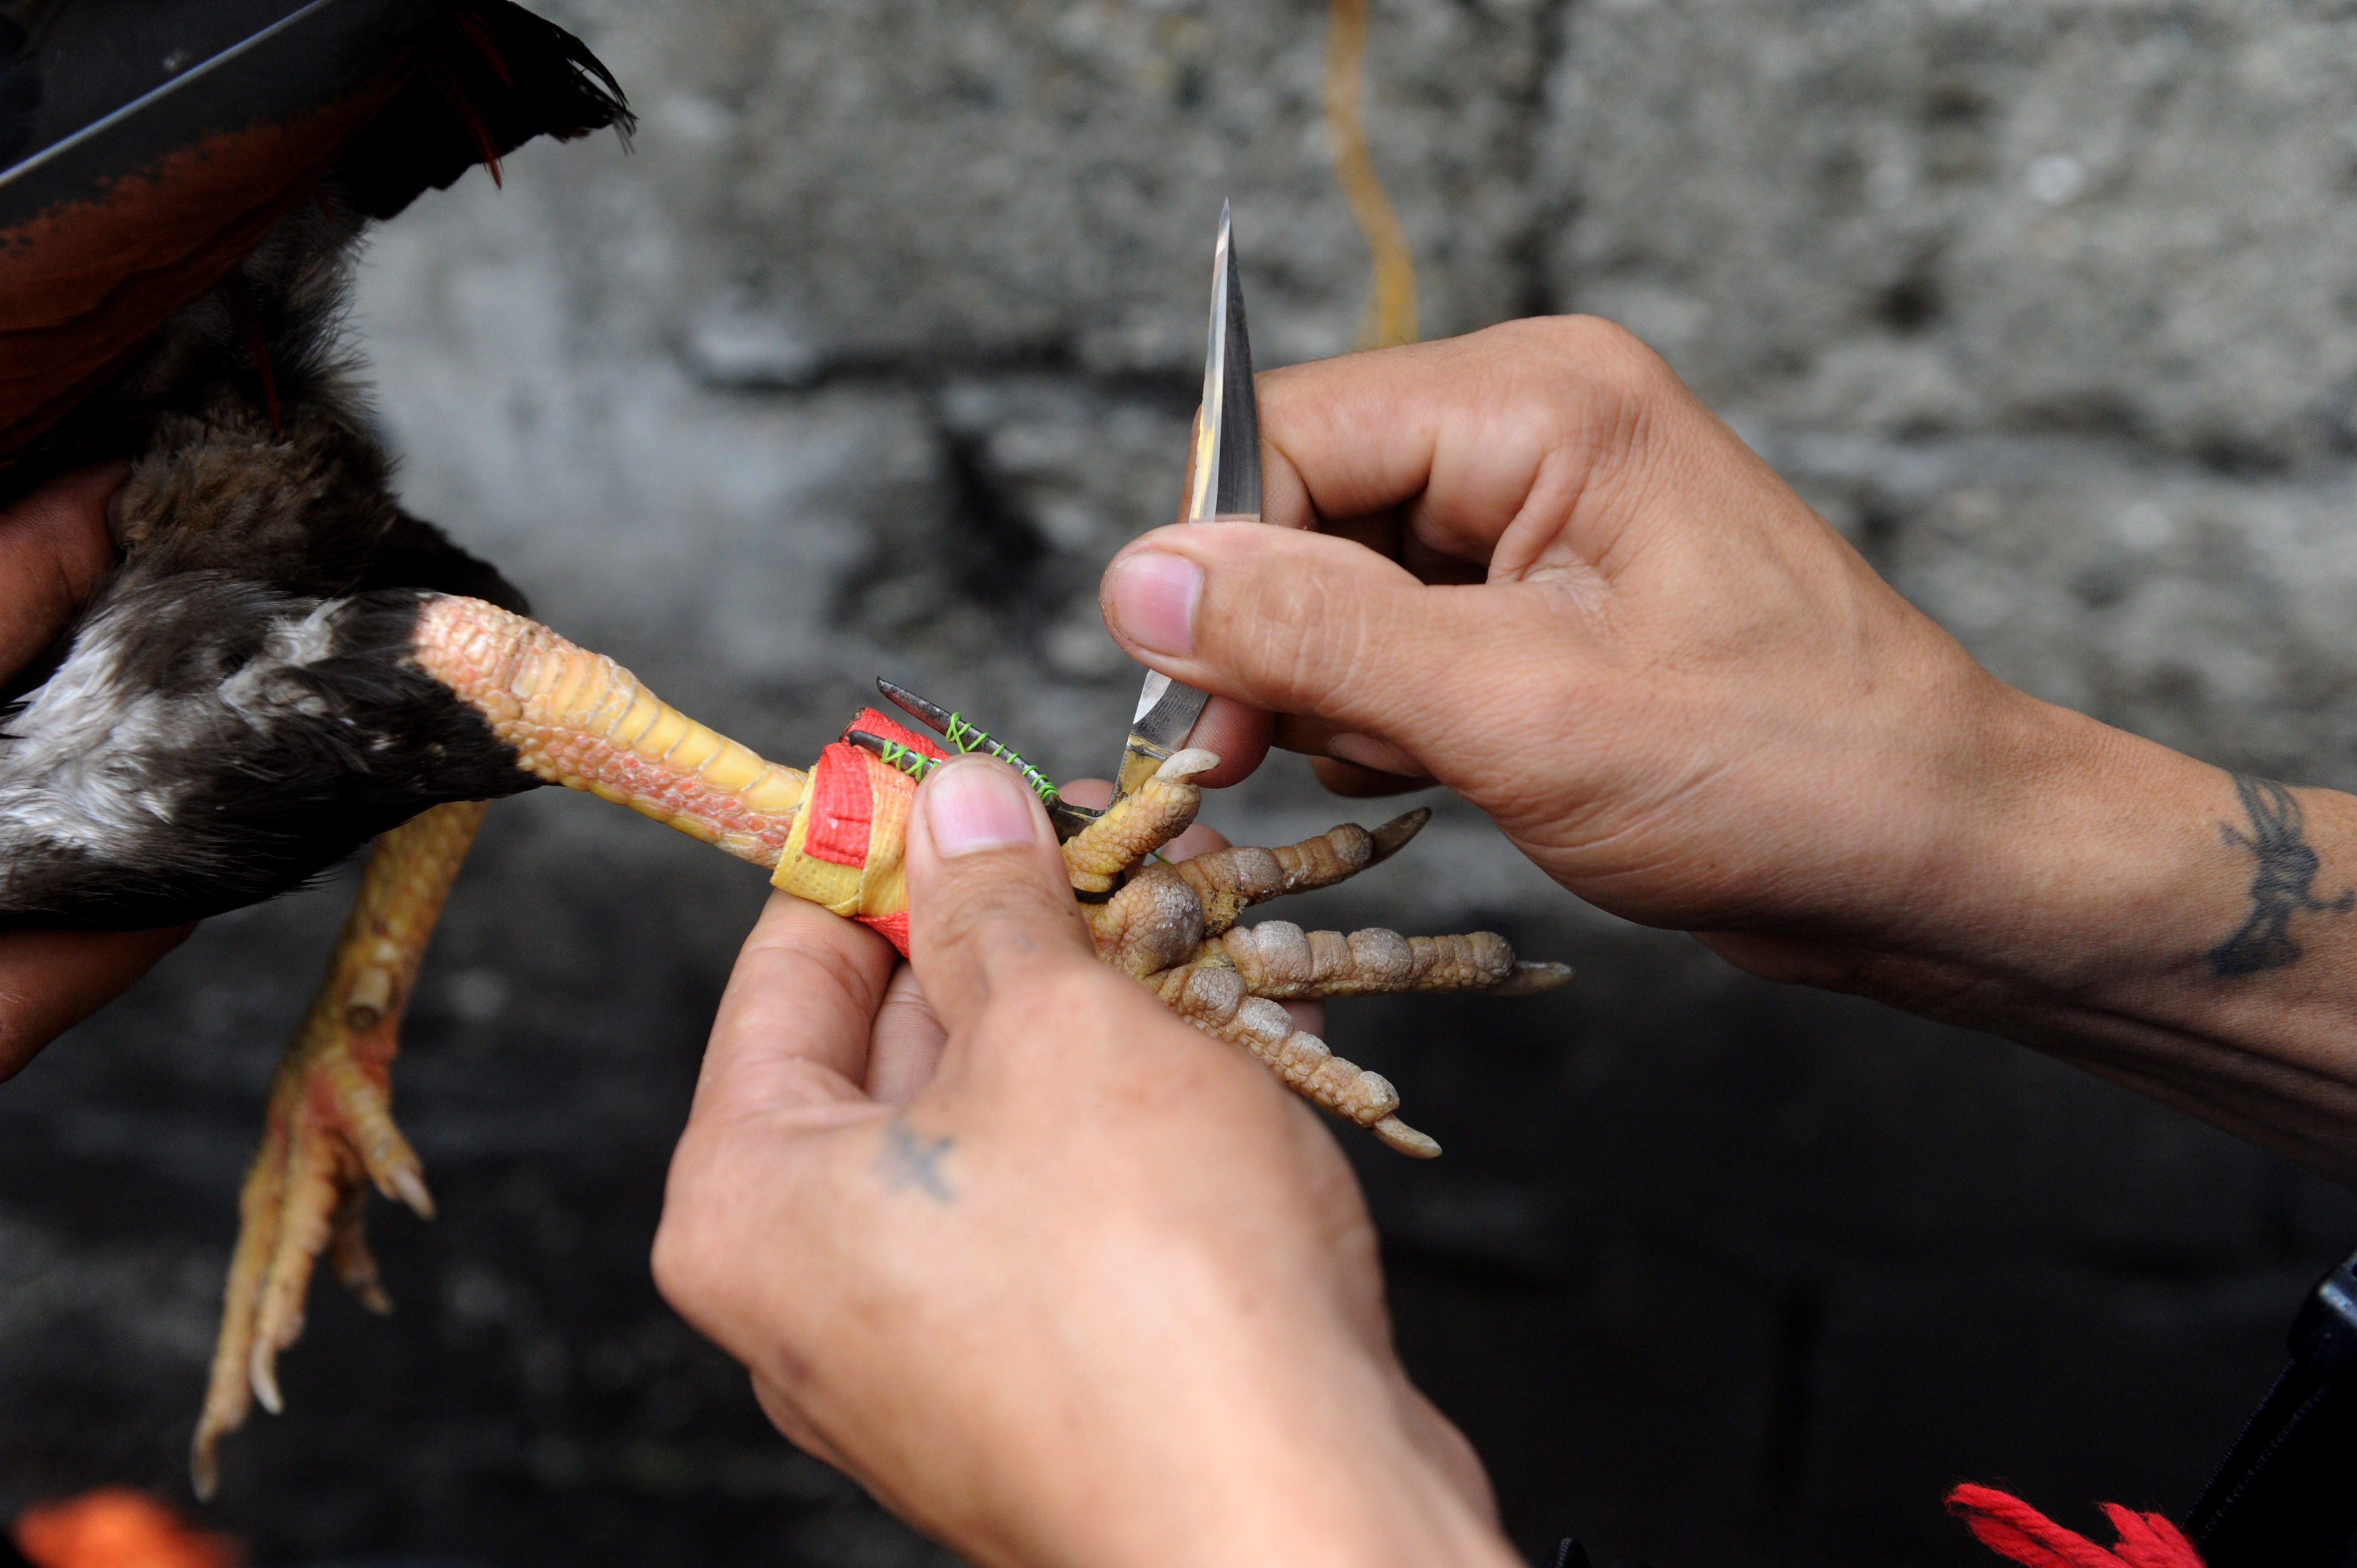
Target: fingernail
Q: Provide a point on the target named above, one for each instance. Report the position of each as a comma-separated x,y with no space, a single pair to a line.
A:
1150,600
977,805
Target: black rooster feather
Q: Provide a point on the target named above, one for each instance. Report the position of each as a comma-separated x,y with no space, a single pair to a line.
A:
236,710
252,693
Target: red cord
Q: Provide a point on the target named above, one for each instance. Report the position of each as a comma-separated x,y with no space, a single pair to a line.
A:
2012,1528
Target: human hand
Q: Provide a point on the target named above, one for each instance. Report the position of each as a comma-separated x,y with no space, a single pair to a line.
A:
1088,1288
1542,574
1529,564
54,554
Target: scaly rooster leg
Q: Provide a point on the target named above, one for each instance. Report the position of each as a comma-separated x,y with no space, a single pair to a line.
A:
329,1128
574,718
578,719
1277,959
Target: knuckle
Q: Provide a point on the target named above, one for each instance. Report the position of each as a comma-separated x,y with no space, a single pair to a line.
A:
1075,990
1607,391
1594,358
1072,1001
697,1253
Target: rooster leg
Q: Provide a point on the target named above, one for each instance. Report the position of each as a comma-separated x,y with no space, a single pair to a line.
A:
573,718
578,719
329,1129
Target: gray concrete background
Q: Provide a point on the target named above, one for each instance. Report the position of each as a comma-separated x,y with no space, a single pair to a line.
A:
878,345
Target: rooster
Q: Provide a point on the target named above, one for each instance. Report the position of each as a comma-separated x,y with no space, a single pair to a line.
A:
285,665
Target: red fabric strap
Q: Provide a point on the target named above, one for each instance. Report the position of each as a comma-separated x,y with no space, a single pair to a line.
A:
893,929
876,724
2012,1528
841,804
843,795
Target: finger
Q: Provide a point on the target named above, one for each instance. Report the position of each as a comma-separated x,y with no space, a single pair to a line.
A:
906,1043
1358,764
1365,751
1309,1018
55,554
1353,782
1237,734
990,904
1094,793
1465,435
1299,624
50,980
793,1026
1197,840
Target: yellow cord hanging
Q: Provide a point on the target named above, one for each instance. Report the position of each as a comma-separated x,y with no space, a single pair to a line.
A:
1390,315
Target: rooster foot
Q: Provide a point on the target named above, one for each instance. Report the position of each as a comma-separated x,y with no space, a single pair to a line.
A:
1173,927
328,1133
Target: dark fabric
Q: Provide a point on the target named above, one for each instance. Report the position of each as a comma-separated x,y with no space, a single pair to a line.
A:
2286,1495
20,108
153,162
1570,1553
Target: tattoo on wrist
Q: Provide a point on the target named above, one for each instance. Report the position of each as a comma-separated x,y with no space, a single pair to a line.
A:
2282,886
909,1158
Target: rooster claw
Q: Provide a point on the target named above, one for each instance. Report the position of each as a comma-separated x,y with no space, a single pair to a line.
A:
329,1135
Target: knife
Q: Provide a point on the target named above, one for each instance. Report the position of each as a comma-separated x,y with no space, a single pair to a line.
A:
1225,488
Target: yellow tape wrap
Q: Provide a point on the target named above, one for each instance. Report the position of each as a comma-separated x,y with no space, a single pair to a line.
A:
805,877
874,889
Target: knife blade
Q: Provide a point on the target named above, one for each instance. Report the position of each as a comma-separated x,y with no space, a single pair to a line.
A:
1225,488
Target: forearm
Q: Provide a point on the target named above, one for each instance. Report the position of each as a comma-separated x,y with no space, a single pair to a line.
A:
2160,922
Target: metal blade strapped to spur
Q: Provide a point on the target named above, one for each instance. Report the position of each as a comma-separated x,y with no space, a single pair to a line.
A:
1226,488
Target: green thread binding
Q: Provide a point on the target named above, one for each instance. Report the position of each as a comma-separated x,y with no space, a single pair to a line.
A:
967,738
913,763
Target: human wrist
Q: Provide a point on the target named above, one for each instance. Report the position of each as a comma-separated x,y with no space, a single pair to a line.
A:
1362,1494
2159,920
1304,1450
2066,857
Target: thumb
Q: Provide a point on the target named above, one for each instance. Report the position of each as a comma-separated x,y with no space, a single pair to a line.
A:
1322,627
990,905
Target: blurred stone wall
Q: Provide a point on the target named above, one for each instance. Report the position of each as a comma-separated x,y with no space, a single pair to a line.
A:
886,336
